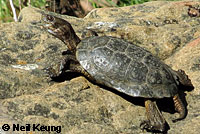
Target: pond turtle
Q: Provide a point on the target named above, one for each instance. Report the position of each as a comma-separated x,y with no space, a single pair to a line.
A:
123,66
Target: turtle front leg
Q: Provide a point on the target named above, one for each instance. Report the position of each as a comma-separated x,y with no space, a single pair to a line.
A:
76,67
68,64
155,120
60,67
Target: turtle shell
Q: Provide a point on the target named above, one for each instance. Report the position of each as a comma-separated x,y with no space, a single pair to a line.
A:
126,67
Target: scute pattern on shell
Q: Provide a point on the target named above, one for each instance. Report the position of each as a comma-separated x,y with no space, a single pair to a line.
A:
126,67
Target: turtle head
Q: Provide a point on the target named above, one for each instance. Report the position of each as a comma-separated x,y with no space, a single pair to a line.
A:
61,29
184,79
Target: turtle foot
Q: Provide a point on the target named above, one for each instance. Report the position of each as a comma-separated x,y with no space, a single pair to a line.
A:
155,121
146,125
51,72
56,69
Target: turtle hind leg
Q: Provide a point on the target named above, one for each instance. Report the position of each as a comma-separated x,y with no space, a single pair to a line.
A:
179,107
155,121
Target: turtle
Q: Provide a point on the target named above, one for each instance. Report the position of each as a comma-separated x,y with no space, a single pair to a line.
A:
122,66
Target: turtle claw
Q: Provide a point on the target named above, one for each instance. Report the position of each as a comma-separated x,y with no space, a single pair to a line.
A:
145,125
54,71
51,72
181,117
175,120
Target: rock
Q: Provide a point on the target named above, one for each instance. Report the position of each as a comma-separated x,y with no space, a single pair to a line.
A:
78,106
23,57
28,96
161,27
188,59
150,25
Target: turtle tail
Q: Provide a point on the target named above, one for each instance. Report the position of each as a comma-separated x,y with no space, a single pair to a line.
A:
179,107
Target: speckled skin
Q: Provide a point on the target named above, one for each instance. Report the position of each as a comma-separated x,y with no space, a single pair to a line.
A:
126,67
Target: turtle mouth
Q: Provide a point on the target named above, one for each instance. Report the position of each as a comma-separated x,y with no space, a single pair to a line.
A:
49,27
51,31
54,31
49,23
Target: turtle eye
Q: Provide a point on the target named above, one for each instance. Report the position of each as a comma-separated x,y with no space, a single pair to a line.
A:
50,18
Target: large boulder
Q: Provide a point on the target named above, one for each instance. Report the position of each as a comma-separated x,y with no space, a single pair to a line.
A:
29,96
